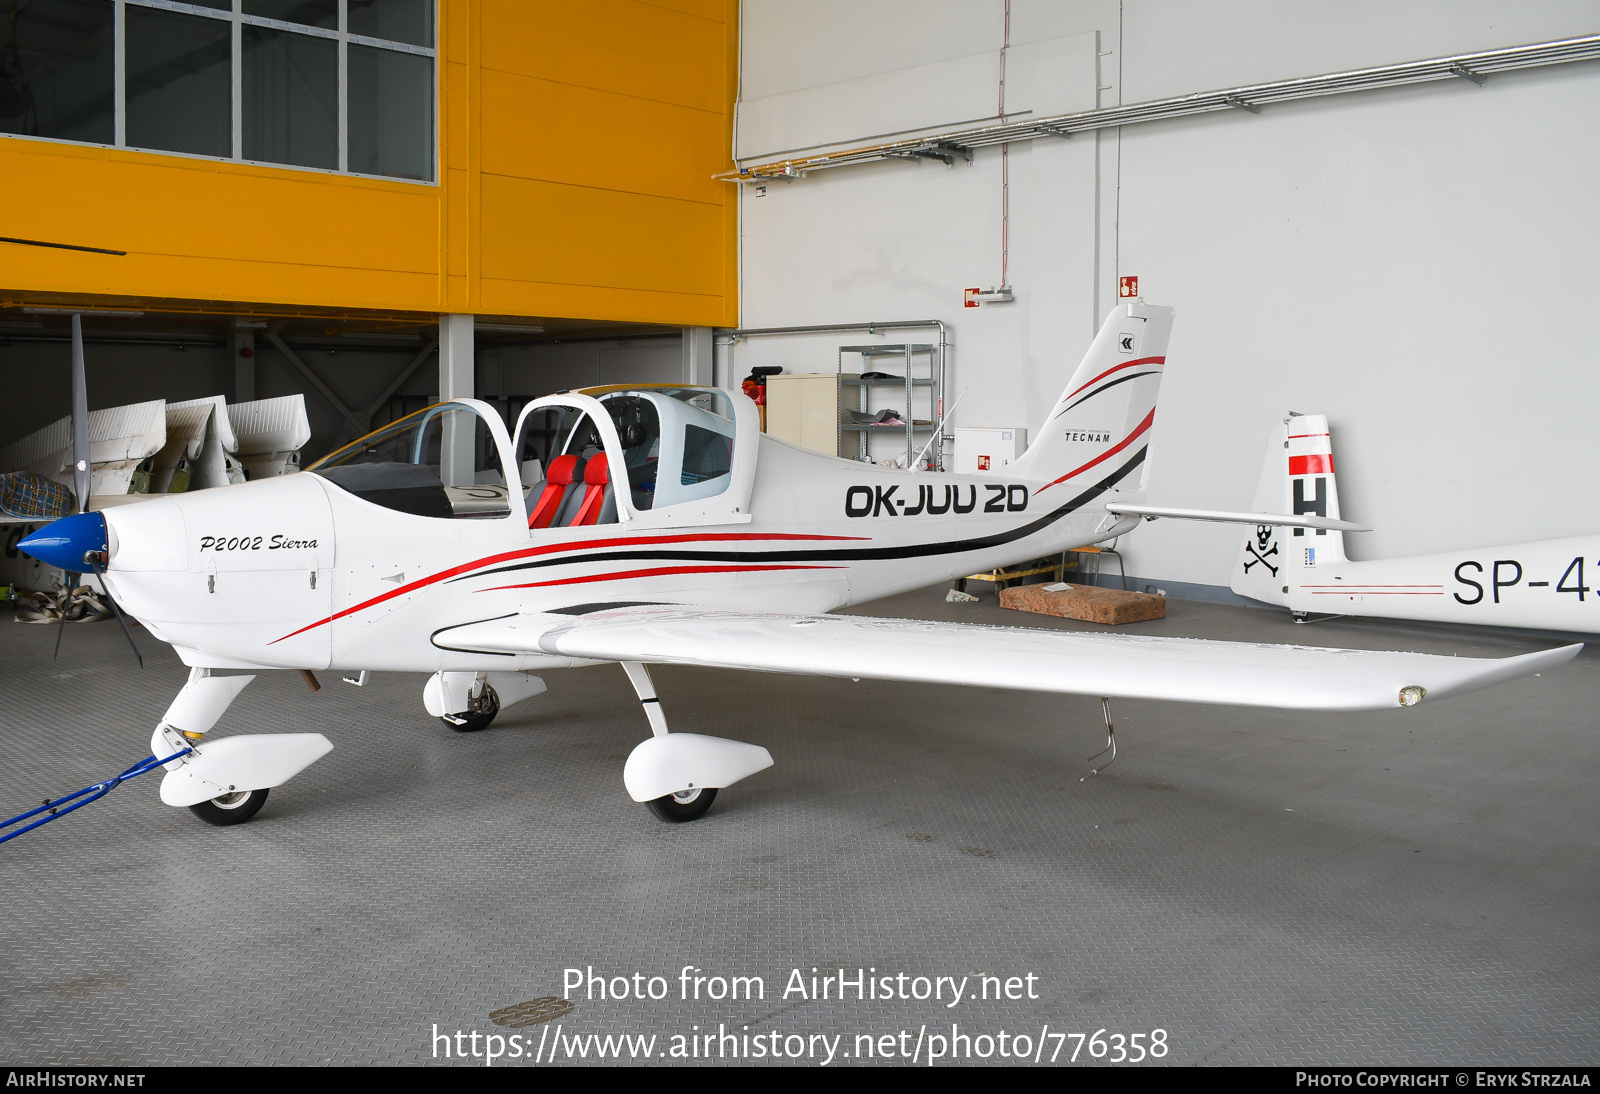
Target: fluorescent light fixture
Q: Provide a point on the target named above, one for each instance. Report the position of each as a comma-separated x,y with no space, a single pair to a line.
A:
84,311
511,328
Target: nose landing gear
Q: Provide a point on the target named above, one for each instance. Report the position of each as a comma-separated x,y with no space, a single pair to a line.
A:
235,808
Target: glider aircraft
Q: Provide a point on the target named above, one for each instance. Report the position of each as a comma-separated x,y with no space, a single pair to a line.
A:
658,525
1540,584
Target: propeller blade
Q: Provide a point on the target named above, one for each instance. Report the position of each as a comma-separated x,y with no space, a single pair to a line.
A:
111,603
80,417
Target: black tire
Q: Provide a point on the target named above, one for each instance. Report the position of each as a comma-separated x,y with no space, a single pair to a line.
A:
230,808
478,716
674,810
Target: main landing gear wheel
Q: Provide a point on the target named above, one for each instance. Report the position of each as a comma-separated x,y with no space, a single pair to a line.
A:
235,808
686,805
478,715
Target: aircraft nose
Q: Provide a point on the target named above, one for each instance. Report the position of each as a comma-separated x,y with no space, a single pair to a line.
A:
64,542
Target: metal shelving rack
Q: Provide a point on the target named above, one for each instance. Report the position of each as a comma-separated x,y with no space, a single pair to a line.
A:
908,355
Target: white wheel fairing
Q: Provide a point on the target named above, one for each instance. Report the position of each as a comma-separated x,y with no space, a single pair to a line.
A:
686,763
255,761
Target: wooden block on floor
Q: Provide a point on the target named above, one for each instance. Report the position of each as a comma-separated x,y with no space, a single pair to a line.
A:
1087,602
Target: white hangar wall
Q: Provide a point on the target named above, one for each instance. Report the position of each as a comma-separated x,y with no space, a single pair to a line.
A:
1418,263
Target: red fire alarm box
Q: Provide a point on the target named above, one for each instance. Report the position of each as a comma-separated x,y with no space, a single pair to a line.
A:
969,298
1128,287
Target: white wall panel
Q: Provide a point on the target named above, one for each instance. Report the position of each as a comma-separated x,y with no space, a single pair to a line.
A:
880,106
1416,263
845,249
1054,76
1179,46
824,73
787,46
1410,263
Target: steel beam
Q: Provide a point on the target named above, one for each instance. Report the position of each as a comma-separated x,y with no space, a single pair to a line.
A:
1475,67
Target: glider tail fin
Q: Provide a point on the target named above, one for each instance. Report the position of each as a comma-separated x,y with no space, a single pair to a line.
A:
1100,427
1296,477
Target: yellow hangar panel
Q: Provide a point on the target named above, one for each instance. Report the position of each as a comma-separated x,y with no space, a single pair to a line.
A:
666,145
598,121
576,146
646,50
211,230
542,238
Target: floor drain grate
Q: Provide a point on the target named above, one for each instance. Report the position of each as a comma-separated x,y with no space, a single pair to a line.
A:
532,1012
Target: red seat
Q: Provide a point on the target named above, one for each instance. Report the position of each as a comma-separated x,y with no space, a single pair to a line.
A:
563,470
597,478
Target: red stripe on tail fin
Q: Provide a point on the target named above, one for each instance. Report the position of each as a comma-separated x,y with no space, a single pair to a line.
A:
1311,465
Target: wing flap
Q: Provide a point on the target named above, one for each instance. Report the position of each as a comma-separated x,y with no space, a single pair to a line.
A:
1029,659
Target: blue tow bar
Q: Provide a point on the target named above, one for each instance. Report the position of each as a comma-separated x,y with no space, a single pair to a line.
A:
81,798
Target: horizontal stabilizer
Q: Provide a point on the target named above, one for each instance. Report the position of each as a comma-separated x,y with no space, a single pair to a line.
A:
1028,659
1224,516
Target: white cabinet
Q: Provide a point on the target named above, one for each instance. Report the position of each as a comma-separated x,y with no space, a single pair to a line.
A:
987,449
803,409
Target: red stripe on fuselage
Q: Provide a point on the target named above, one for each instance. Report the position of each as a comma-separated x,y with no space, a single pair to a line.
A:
550,549
1311,465
658,571
1106,455
1371,592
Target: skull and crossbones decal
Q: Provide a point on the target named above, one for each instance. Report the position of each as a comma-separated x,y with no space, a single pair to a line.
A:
1259,551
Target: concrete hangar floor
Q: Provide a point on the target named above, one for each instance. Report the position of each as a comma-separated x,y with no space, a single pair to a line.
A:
1411,887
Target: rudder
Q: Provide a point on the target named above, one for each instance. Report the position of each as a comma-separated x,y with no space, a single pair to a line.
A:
1100,427
1296,477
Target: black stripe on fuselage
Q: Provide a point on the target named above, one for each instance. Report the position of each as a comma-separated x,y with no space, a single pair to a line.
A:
434,637
848,554
603,606
1108,387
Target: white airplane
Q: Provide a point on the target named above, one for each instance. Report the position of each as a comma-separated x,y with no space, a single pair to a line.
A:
667,530
1540,584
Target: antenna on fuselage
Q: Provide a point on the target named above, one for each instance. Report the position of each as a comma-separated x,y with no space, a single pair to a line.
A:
938,431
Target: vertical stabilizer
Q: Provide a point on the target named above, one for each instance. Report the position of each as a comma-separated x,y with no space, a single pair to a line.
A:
1296,477
1100,427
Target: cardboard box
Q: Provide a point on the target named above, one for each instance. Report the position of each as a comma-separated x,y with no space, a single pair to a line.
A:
1087,602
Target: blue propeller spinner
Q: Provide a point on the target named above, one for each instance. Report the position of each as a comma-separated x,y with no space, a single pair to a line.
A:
64,542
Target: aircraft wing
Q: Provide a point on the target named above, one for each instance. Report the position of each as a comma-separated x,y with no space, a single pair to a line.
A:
1029,659
1228,516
